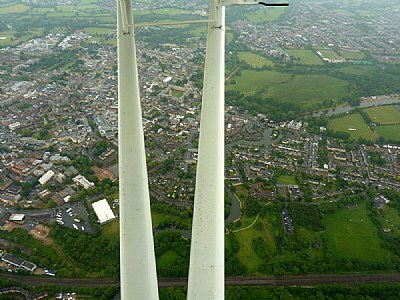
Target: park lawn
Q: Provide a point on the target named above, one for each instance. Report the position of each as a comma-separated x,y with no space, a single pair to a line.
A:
384,115
250,82
17,8
352,235
263,15
110,231
254,60
389,132
98,30
352,121
309,89
307,57
286,179
246,255
353,55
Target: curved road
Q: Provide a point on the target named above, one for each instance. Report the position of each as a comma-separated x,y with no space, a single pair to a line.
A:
295,280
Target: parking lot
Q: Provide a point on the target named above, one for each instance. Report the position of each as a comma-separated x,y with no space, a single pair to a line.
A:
73,216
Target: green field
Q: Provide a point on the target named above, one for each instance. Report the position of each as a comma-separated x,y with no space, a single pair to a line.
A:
390,219
357,70
329,54
288,179
246,254
389,132
250,82
352,235
384,115
307,57
265,15
98,30
254,60
352,121
302,89
111,231
353,55
18,8
309,89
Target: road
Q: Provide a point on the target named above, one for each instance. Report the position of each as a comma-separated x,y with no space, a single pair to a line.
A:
295,280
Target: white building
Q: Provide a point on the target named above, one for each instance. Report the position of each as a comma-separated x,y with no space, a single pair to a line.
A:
81,180
103,211
46,177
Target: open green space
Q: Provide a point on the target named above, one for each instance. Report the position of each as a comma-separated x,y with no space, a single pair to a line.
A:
263,15
18,8
353,124
111,230
286,179
390,219
353,55
329,54
389,132
357,70
254,60
98,30
384,115
352,235
250,82
246,253
307,57
176,93
163,11
309,89
301,89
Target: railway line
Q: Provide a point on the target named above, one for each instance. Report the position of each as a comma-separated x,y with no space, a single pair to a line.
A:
294,280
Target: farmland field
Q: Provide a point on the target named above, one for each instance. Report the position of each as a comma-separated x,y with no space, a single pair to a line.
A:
352,235
307,57
254,60
389,132
352,121
384,115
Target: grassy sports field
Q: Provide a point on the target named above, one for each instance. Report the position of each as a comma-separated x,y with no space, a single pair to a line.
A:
389,132
384,115
288,179
307,57
352,55
98,30
352,235
254,60
352,121
329,54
